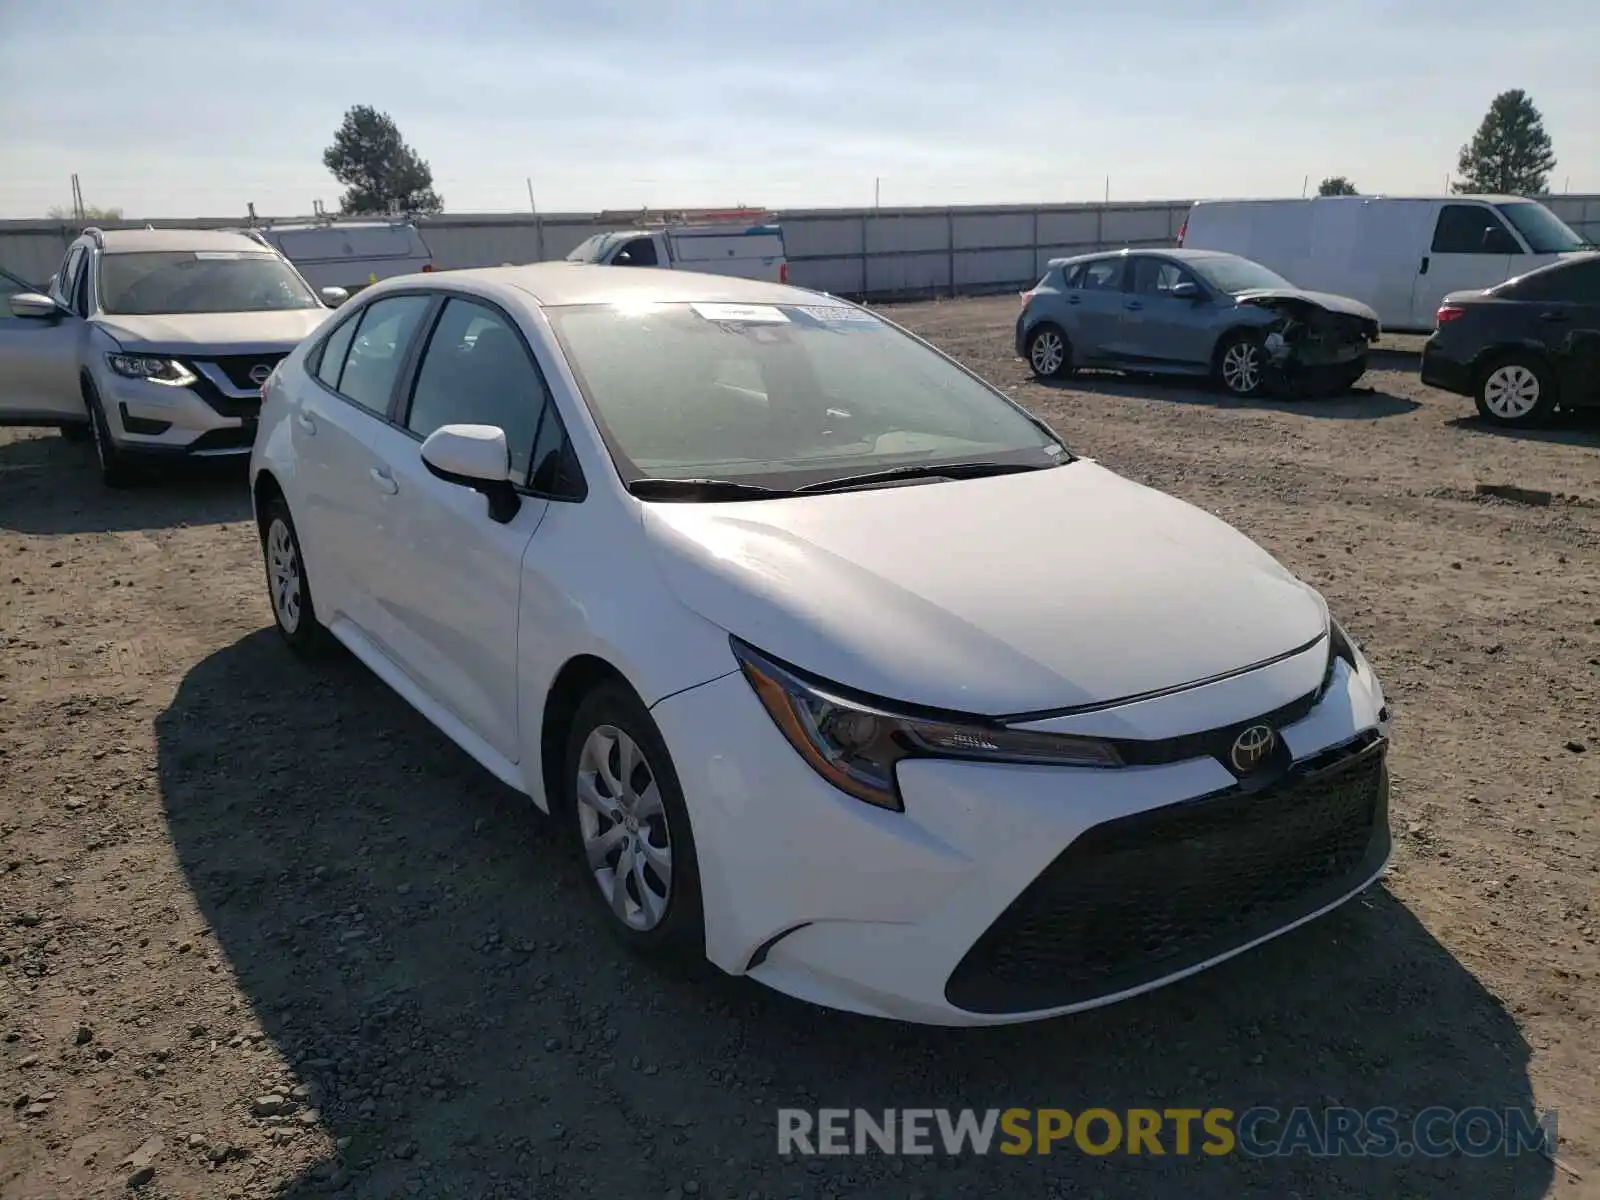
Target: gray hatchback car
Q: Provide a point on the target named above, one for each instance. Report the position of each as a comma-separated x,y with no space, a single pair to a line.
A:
1193,312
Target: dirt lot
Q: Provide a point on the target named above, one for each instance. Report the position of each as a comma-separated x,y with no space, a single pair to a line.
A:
264,914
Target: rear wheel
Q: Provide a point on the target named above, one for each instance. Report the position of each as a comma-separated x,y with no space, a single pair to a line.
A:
287,586
1049,353
1515,390
1242,365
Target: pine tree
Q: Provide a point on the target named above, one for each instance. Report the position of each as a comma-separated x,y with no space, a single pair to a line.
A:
379,170
1510,154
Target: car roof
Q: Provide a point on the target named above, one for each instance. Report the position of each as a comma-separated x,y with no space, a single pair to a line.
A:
1176,253
557,284
129,241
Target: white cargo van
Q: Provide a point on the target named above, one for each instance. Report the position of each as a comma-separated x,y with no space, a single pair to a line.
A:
717,247
351,254
1399,255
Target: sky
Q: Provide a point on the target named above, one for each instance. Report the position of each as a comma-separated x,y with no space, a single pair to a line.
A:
172,109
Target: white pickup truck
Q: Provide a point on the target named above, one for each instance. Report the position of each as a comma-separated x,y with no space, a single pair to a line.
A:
750,251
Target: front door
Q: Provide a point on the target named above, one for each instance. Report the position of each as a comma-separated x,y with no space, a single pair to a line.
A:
1471,248
41,357
1158,329
452,576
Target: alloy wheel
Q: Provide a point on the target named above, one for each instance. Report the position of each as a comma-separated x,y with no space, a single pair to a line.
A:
1511,392
627,841
1241,368
1047,352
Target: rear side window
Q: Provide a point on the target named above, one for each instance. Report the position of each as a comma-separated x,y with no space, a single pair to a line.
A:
367,364
476,371
1578,283
1102,275
330,359
1471,229
1072,276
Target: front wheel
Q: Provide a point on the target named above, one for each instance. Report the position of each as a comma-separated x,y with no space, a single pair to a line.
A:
1515,391
115,469
630,827
76,434
1049,354
1241,365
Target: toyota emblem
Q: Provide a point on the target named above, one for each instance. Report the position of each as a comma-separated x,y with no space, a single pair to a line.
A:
1252,748
260,373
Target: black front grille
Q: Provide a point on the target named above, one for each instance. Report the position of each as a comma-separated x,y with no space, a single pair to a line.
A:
1144,896
237,367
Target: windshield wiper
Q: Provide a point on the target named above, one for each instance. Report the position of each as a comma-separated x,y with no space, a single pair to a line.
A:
968,470
703,489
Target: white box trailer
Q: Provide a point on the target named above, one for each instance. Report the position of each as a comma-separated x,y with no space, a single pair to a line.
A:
739,243
1400,255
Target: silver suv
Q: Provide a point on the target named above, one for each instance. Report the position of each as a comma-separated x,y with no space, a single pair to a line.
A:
155,342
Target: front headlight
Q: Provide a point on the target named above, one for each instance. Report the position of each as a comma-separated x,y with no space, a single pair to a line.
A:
856,745
151,369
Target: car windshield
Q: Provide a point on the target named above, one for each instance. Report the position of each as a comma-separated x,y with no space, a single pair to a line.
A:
1544,232
1234,275
782,395
169,282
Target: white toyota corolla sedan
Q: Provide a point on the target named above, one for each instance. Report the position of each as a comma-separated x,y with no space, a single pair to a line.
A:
835,665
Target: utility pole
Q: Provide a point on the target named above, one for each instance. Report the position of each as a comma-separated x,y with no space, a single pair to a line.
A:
1304,184
877,183
1108,189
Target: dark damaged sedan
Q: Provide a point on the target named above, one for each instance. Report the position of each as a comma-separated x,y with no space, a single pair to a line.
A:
1194,312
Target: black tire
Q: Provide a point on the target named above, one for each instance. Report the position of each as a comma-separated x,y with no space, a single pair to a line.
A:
288,590
1048,351
77,434
1241,365
115,469
676,929
1515,391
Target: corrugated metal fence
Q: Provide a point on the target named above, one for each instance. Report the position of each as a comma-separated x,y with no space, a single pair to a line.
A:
854,252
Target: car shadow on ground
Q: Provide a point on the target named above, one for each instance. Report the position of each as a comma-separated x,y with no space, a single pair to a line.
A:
419,947
49,485
1383,358
1361,403
1572,427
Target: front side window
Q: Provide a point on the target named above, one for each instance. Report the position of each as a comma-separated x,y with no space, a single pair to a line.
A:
62,286
476,371
1156,277
781,395
371,358
1471,229
641,252
169,282
1544,232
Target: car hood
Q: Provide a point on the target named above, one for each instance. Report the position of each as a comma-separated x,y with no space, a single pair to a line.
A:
1017,593
1327,300
275,331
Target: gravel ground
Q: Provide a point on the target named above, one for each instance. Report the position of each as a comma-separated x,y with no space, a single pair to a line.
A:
262,930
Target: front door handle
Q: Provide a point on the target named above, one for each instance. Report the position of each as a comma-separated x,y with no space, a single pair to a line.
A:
1133,305
1553,315
1424,269
1074,300
385,481
306,423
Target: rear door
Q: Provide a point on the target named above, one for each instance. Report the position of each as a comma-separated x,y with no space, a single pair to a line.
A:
1565,316
451,577
1158,329
1093,305
41,357
353,377
1471,248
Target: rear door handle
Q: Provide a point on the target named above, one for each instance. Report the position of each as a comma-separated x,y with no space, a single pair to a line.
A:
385,481
1074,299
1553,315
1133,305
306,423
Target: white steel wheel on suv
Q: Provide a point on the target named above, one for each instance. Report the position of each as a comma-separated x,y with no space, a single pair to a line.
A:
1515,390
287,587
630,826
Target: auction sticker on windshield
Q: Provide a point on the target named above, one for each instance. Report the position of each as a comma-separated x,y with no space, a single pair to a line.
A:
835,312
744,314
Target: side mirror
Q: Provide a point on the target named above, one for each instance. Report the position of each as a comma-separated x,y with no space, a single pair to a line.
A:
334,296
32,304
474,456
1187,291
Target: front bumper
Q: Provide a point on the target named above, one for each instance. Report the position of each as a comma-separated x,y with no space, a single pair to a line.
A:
214,417
1445,370
1008,893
